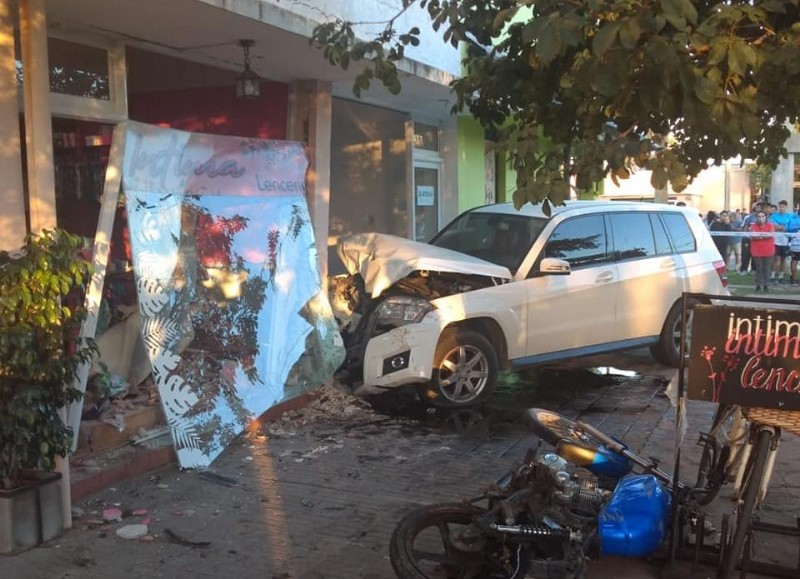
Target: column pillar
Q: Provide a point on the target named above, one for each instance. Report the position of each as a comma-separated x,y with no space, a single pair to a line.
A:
38,128
39,153
12,193
310,122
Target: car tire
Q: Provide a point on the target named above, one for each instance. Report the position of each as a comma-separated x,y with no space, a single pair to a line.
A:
465,369
667,350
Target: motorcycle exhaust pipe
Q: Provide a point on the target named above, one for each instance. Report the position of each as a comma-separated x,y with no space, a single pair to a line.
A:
537,532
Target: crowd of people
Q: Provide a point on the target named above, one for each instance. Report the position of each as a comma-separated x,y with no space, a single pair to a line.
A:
764,242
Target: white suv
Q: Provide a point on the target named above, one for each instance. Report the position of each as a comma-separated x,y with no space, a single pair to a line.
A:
501,288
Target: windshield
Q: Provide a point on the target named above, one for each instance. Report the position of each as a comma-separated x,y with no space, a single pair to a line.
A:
501,238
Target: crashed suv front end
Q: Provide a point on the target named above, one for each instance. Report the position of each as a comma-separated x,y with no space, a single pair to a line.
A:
396,301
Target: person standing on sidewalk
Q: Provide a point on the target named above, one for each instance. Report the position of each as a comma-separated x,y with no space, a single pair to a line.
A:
747,221
762,250
781,220
736,240
794,248
723,242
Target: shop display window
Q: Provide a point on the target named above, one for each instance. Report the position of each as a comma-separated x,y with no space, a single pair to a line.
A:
78,70
80,157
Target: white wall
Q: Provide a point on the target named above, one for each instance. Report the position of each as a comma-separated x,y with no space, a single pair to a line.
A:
707,192
374,14
783,176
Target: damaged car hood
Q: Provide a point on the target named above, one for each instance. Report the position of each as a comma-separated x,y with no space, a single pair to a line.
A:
383,260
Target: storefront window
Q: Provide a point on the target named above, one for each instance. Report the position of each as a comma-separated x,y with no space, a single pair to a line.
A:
75,69
78,70
426,137
80,157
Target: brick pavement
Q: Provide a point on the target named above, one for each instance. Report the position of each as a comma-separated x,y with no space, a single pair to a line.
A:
320,500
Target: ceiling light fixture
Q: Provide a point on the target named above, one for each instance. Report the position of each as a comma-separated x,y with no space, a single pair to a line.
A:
248,83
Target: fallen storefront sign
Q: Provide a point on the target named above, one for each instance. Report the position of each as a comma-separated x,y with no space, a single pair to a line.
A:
233,315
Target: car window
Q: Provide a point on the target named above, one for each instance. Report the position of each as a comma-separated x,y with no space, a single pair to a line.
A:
504,239
679,232
633,235
663,246
580,240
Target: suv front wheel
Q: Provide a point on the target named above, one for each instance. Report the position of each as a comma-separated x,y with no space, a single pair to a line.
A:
465,369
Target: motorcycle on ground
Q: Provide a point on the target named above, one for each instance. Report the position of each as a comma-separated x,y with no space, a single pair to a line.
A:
589,497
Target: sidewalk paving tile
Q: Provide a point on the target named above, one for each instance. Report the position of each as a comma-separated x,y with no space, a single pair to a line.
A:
323,502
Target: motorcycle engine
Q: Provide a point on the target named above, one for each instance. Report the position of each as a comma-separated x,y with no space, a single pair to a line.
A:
581,495
555,526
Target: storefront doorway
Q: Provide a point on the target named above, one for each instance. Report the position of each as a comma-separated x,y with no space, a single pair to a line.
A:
426,200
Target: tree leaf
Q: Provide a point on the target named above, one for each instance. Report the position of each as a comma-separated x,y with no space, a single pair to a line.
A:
740,56
630,32
548,45
674,13
751,126
502,18
604,38
570,30
559,192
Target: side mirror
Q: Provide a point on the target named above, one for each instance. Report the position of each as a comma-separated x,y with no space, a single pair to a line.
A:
554,266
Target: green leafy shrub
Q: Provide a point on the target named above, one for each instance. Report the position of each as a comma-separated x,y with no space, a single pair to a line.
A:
41,311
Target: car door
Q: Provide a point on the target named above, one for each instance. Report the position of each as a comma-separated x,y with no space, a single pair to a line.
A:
648,273
568,312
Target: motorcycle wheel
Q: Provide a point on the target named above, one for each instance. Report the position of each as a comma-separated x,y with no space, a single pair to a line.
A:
553,428
441,542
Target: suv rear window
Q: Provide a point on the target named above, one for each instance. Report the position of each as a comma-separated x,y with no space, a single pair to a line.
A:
680,233
633,235
663,244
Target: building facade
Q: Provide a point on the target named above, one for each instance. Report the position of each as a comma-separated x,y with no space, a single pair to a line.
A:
786,177
72,71
718,187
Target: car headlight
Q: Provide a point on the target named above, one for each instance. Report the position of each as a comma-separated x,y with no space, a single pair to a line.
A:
400,310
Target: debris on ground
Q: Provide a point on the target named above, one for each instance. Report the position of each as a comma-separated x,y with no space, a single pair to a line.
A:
82,558
217,478
153,438
132,532
112,514
333,405
181,541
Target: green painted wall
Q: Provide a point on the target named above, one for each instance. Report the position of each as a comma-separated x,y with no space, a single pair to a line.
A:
471,144
470,163
471,168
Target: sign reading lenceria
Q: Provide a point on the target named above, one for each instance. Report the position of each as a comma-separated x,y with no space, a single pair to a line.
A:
745,356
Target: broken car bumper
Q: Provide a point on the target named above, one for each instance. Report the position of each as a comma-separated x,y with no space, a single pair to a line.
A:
402,355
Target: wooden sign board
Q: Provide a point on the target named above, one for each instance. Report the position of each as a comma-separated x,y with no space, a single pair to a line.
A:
745,356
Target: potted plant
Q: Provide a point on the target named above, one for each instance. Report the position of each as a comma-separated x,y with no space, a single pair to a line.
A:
41,310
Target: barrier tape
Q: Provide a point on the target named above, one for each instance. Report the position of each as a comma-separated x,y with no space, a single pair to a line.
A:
753,233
